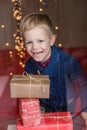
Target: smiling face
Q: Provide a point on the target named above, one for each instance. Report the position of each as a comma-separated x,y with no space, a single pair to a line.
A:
38,43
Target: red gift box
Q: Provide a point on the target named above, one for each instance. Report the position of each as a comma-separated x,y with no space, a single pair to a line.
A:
51,121
30,112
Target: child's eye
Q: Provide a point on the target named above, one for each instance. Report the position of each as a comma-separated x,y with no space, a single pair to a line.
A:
28,42
41,40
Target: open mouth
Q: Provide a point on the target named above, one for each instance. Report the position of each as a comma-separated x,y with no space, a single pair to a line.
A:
37,53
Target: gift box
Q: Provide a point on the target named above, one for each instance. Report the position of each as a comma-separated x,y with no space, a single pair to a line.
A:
29,86
29,110
51,121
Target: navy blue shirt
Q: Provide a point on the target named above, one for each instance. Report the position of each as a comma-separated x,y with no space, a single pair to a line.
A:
64,72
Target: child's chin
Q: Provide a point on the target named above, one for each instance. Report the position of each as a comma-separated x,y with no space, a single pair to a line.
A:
37,60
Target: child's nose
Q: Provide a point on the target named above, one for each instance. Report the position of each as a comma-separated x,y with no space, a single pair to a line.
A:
34,46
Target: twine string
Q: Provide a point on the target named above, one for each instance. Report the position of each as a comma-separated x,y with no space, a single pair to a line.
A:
34,79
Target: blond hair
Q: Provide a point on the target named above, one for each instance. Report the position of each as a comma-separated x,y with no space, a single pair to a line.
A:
31,21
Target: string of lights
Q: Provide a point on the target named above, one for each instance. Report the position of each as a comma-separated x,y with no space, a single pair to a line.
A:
19,44
42,6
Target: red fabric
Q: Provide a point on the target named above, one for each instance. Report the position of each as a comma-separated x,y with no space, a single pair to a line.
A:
44,64
11,64
4,79
51,121
80,53
8,105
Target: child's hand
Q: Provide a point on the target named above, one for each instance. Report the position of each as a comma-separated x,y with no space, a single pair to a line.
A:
84,117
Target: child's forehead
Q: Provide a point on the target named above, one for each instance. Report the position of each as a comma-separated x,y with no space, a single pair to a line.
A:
37,31
42,27
32,26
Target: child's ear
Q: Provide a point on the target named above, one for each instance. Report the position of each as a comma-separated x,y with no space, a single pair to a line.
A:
52,40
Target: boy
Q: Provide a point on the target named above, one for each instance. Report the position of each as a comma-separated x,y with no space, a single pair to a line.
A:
47,59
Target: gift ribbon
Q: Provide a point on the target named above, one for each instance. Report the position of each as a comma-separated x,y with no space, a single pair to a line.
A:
56,117
35,79
42,109
59,117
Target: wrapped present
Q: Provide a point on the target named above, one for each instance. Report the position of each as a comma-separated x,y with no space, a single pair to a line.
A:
29,112
29,86
51,121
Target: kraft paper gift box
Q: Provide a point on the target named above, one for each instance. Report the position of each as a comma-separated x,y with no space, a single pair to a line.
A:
51,121
29,86
29,110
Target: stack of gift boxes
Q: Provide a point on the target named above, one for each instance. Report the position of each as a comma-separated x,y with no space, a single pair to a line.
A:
29,89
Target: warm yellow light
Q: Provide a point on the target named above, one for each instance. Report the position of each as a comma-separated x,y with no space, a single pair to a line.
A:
2,26
21,56
19,44
20,63
40,9
18,41
10,52
60,45
15,41
13,0
17,37
23,65
18,17
56,27
16,47
11,74
21,52
7,44
41,0
14,35
15,3
11,56
21,38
